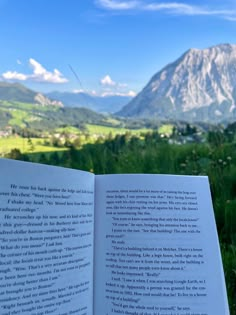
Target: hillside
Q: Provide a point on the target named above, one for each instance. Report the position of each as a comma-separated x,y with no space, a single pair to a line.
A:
15,92
45,118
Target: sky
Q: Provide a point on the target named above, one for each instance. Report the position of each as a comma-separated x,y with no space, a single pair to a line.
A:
104,47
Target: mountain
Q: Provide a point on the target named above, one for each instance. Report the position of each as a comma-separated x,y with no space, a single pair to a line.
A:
15,92
21,107
101,104
46,118
199,86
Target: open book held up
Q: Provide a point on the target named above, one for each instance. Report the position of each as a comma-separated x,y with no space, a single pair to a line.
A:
75,243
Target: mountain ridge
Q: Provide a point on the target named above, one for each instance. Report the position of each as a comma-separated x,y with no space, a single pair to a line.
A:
21,107
17,92
199,85
101,104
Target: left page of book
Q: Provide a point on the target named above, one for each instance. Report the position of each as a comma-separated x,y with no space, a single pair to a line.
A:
46,240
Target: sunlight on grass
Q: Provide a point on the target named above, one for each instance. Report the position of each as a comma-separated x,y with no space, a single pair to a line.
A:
166,130
7,144
105,130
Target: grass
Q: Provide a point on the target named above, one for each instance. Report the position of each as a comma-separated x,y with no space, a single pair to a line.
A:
166,130
105,130
68,130
27,106
19,118
23,113
8,144
113,121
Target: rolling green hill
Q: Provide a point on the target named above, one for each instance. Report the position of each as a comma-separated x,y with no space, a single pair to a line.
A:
16,92
21,108
38,117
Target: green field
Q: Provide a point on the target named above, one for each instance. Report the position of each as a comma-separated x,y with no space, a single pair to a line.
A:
105,130
68,130
92,133
8,144
26,106
166,129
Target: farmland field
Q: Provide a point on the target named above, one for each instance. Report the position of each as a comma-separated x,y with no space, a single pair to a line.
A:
8,144
104,130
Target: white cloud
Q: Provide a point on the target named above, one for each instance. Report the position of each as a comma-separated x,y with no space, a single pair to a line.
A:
118,5
9,75
111,88
107,81
40,74
185,9
177,8
173,7
231,18
131,93
19,62
93,92
111,93
78,91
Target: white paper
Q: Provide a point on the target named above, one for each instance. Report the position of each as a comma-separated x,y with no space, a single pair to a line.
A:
46,240
156,247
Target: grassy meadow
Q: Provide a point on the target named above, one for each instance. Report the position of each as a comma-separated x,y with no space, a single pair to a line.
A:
25,145
91,134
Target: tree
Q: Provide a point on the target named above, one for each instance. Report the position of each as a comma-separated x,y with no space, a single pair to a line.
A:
30,144
216,138
16,154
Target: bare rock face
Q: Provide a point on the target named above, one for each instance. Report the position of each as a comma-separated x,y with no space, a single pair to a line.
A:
44,101
199,86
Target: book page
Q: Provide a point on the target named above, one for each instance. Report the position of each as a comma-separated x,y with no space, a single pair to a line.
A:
156,247
46,240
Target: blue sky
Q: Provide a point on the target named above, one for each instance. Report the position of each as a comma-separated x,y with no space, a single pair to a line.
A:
104,46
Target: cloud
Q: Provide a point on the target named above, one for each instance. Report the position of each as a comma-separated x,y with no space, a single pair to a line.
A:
231,18
107,81
40,74
174,8
131,93
111,93
118,5
9,75
19,62
185,9
112,88
76,91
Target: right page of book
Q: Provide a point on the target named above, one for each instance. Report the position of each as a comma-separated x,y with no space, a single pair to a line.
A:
156,247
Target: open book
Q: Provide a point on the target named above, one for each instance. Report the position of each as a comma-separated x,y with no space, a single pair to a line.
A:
75,243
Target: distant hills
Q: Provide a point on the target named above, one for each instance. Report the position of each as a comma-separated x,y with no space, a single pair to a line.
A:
199,86
23,108
101,104
19,93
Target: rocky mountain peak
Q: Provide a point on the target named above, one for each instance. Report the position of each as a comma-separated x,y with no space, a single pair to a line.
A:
199,79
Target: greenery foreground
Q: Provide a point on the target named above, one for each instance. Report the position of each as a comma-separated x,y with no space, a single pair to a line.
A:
151,153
